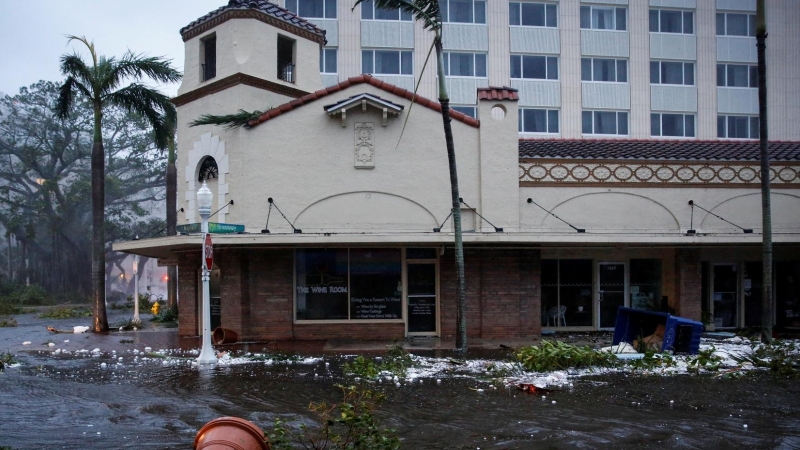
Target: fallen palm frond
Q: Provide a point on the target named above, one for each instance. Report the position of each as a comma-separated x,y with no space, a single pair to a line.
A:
550,356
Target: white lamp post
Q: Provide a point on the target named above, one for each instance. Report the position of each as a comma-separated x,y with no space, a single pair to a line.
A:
136,318
204,198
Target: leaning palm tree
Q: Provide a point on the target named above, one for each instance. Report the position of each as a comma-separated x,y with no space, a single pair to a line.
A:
428,12
171,122
766,204
100,82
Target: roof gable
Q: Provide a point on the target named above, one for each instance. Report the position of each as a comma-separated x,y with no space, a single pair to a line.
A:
363,100
368,79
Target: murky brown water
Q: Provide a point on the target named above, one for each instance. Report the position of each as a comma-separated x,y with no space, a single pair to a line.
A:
69,402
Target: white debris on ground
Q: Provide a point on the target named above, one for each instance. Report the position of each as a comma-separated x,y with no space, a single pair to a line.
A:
79,329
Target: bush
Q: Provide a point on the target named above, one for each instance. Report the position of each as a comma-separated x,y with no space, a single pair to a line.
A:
397,361
6,359
347,425
7,322
552,356
166,315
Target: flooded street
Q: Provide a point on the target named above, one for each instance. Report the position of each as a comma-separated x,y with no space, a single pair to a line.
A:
72,401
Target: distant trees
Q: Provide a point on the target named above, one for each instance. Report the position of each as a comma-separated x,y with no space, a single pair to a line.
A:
45,186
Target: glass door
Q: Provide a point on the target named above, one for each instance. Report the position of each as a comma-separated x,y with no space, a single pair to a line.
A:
421,298
611,292
725,295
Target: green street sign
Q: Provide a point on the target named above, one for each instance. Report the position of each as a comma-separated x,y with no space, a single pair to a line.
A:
213,227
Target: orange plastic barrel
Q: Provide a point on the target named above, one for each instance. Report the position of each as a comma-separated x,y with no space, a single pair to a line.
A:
227,433
223,336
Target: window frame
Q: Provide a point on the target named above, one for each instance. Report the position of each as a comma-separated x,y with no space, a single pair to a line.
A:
615,16
751,24
617,62
369,5
752,125
444,5
204,47
547,59
752,75
462,109
400,61
661,124
324,59
547,8
326,9
683,72
548,112
475,57
683,21
616,112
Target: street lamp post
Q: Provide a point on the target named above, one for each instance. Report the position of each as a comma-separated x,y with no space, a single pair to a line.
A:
204,197
136,319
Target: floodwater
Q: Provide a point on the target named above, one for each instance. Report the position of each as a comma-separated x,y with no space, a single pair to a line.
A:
69,401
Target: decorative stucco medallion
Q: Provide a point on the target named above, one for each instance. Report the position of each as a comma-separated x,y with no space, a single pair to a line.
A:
602,173
706,173
559,172
623,173
664,173
787,174
747,174
726,174
580,172
643,173
537,172
365,145
685,173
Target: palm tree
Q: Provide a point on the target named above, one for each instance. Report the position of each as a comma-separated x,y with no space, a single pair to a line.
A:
172,213
100,82
428,12
766,206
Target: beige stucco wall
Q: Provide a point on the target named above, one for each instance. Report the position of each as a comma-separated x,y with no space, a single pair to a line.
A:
249,46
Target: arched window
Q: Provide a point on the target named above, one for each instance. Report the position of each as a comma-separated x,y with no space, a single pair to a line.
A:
208,170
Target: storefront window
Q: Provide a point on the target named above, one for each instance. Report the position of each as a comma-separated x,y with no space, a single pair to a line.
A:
725,295
787,293
343,284
567,292
645,284
751,286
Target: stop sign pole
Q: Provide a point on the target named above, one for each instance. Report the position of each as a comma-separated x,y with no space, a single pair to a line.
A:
204,197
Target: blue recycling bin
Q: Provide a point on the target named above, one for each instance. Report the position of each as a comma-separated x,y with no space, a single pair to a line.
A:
680,335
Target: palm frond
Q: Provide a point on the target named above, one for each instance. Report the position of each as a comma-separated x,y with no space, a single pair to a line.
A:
138,66
147,102
87,43
426,11
73,66
229,121
66,96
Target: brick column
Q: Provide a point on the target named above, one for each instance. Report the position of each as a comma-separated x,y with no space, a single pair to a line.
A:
530,293
188,277
688,283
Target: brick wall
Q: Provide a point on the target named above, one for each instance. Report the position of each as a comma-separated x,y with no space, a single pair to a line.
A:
270,294
188,279
688,283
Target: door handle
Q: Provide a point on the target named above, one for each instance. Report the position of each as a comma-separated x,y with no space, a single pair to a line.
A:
600,299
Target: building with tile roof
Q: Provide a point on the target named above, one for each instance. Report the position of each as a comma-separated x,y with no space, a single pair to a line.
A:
341,190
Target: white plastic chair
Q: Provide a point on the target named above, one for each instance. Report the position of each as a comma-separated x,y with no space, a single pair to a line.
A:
556,314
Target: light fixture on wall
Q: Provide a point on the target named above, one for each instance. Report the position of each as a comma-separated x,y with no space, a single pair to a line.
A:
579,230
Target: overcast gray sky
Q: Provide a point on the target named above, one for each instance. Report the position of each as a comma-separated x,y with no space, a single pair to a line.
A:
32,33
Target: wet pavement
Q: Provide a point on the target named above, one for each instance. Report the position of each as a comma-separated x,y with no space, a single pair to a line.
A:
72,401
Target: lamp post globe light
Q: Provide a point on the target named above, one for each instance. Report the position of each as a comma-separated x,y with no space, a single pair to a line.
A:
204,198
136,319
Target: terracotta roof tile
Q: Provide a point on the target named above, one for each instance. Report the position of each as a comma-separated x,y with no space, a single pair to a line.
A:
369,79
263,6
498,93
683,149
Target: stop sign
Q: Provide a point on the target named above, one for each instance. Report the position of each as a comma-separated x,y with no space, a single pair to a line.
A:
209,251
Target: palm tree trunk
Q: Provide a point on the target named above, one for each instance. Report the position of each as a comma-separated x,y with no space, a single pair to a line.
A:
461,299
100,320
766,207
172,219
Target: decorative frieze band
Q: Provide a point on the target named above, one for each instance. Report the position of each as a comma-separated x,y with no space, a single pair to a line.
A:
724,174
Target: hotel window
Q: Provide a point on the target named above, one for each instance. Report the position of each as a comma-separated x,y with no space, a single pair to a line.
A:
315,9
386,62
604,122
534,67
468,110
671,21
533,14
671,72
348,284
465,64
370,12
603,18
538,120
463,11
737,127
597,69
672,125
732,24
327,60
737,75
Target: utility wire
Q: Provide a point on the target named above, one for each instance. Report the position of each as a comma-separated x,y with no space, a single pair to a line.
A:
744,230
496,229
